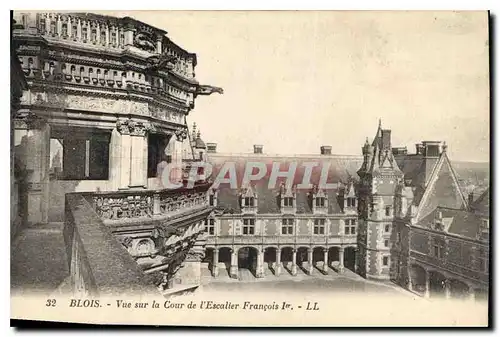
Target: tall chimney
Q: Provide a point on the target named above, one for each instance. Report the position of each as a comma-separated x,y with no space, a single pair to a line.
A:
211,147
326,150
386,140
257,149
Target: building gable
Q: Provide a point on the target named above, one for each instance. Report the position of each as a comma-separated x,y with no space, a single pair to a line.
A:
442,189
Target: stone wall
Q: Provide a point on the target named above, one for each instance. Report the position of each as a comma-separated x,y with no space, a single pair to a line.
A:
98,264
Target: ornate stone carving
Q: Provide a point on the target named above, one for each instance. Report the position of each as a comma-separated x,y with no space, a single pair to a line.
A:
131,127
181,133
208,90
194,256
27,121
164,61
143,41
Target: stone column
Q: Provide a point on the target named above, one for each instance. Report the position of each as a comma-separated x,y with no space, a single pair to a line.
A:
294,262
32,149
159,39
325,260
259,272
215,263
355,259
233,271
341,259
447,289
310,261
79,30
427,285
130,154
277,268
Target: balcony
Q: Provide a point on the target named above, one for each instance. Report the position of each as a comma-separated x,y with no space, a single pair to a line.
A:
136,240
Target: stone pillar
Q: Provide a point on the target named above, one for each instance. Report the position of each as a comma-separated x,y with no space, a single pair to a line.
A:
310,261
47,25
277,268
159,39
341,259
129,35
215,263
325,260
233,271
294,262
79,30
259,272
447,289
129,154
427,285
32,149
355,250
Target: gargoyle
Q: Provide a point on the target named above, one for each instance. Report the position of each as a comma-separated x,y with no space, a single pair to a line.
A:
143,42
208,90
158,62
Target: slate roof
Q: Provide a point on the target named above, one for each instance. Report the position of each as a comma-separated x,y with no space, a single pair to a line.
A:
482,204
341,170
461,222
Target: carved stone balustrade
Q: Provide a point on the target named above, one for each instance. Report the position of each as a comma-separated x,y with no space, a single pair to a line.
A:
125,205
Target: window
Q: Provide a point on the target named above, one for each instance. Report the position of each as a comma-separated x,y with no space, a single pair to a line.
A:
287,227
84,34
249,201
211,199
320,202
399,237
385,260
79,155
210,227
248,226
387,228
350,227
438,249
351,202
288,201
319,226
388,211
156,153
386,243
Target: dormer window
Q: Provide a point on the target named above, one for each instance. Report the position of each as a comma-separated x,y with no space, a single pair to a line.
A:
388,211
249,201
351,202
211,200
320,201
288,201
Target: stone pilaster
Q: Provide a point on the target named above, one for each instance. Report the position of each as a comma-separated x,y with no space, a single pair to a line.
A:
310,261
130,149
32,151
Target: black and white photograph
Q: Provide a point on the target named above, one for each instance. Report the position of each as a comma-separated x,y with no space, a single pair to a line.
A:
250,168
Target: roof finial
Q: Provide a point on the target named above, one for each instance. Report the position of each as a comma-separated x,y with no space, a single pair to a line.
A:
194,130
380,122
366,141
445,147
198,135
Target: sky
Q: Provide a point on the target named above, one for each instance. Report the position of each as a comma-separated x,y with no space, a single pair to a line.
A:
294,81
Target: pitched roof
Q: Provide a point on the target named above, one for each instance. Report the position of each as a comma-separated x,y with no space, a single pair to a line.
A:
340,169
457,221
482,204
442,189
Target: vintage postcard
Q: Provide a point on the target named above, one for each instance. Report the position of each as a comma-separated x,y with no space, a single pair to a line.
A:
261,168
